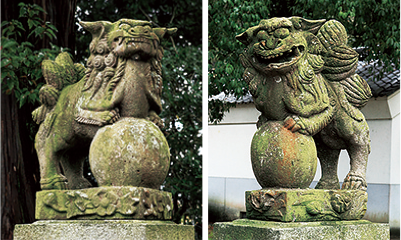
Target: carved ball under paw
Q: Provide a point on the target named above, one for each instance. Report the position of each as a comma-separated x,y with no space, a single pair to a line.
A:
282,158
130,152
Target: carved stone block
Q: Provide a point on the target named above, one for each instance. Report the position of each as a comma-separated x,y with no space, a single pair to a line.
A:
104,203
305,205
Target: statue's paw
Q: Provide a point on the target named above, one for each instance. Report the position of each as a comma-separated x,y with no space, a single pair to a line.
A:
354,182
58,182
109,117
328,184
153,117
114,115
291,124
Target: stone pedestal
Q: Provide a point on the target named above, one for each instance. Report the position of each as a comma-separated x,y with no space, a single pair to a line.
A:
109,213
305,205
104,203
325,230
102,230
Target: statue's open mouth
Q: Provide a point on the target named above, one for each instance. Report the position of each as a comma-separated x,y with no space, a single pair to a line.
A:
132,42
278,59
144,47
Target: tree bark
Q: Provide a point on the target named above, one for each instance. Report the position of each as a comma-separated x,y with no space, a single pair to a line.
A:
19,164
17,188
62,15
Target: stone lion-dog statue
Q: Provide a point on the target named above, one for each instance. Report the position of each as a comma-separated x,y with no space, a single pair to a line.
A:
122,79
302,72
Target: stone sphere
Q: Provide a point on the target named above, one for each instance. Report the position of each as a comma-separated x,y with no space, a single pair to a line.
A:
281,158
130,152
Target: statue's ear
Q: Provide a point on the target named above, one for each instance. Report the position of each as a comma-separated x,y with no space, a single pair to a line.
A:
243,38
307,25
161,32
97,29
247,36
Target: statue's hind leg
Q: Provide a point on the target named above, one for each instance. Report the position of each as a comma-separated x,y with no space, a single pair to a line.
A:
73,163
356,178
329,163
356,135
49,161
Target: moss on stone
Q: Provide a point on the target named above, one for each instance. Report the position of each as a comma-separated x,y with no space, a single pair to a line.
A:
332,230
103,230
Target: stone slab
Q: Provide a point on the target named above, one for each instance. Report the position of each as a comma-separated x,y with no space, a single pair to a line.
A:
102,230
305,205
325,230
104,203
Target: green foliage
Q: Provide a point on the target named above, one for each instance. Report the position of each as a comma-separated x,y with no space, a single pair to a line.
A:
371,25
21,72
182,116
227,18
182,92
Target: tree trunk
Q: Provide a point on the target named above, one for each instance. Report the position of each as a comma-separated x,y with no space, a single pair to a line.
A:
62,15
19,163
17,188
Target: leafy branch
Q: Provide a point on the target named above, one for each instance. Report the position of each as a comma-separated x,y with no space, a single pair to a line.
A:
20,62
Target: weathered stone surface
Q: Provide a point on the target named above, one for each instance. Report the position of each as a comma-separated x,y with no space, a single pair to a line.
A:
131,152
103,230
332,230
122,78
282,158
104,203
301,73
305,205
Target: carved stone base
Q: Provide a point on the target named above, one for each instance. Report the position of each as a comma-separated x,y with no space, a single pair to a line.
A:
104,203
328,230
103,230
305,205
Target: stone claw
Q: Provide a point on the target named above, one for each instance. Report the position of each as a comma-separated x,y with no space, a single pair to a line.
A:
354,182
291,124
113,116
58,182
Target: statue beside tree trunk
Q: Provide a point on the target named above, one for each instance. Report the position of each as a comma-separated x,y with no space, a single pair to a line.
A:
109,112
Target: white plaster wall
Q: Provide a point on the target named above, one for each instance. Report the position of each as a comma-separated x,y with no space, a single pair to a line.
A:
395,151
229,143
229,150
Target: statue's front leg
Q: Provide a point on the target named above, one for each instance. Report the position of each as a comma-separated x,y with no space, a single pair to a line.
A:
97,118
310,125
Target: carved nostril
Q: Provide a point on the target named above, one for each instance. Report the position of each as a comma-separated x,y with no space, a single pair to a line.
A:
131,31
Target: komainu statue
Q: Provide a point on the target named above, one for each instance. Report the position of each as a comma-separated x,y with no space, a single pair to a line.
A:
122,80
302,73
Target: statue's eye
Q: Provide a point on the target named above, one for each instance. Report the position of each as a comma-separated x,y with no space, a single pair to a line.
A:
281,33
125,26
262,35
